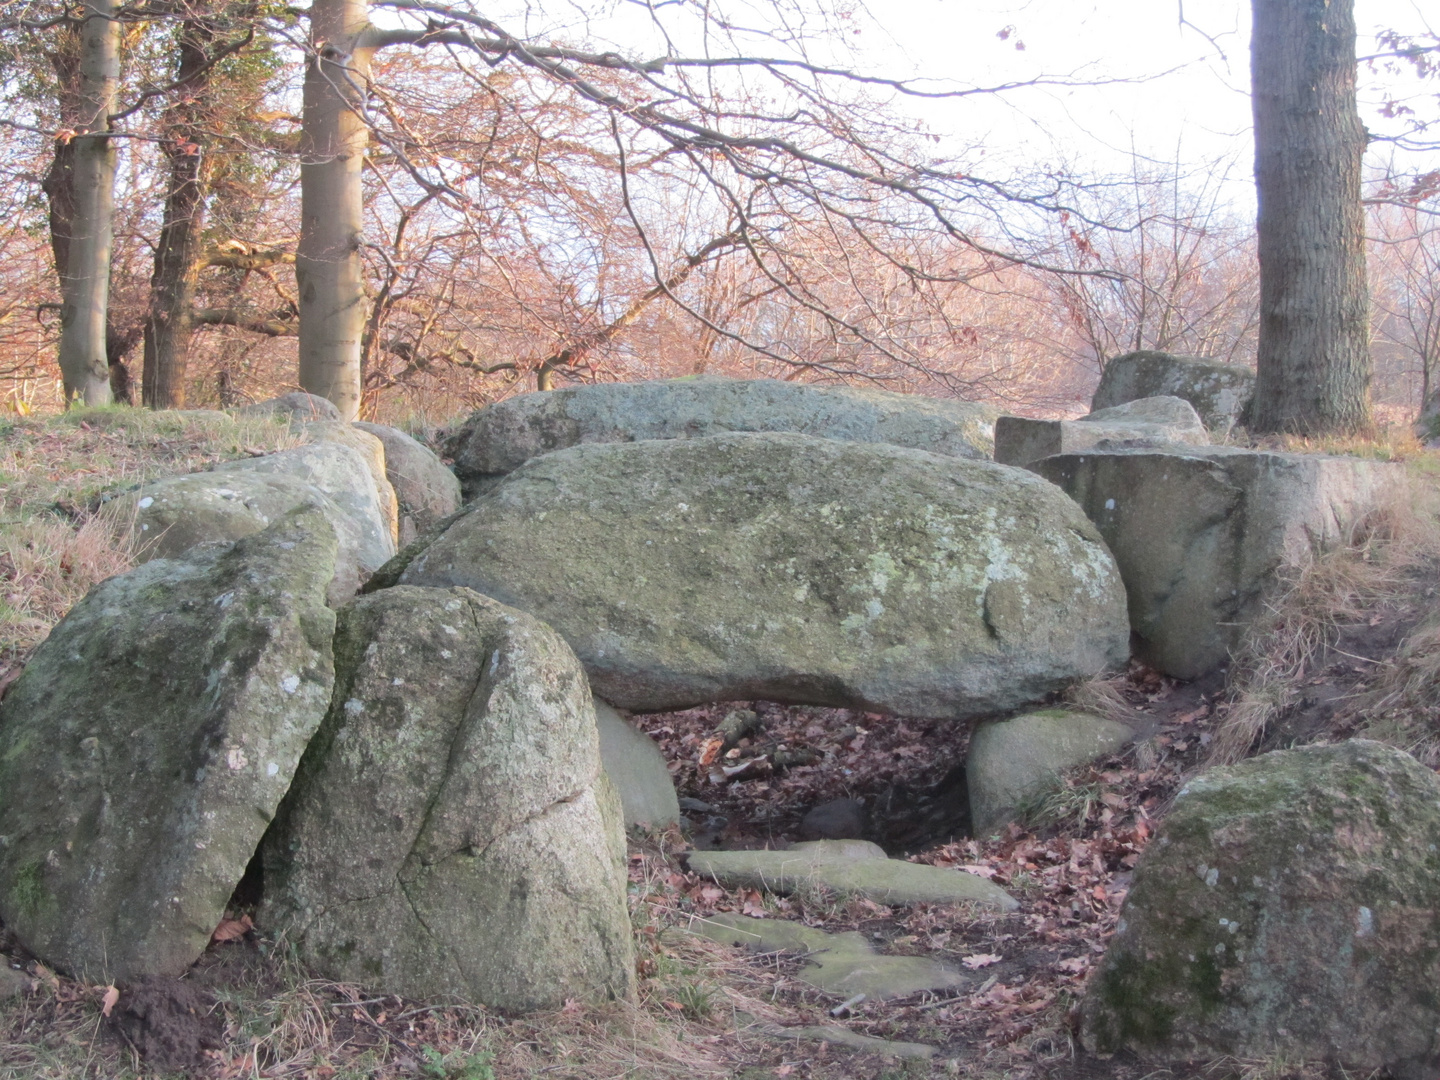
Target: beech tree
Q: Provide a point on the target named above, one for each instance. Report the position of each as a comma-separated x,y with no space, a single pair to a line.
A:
1312,358
803,147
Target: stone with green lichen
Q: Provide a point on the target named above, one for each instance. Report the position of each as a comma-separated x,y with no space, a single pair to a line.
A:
795,568
843,964
1289,906
852,868
503,436
450,833
1010,761
426,490
148,742
167,518
637,769
1219,392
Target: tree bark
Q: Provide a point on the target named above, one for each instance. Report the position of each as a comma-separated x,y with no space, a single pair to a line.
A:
170,323
85,276
328,268
1313,358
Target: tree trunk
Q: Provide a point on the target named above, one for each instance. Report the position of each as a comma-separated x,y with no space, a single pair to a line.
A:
1313,358
170,324
328,266
85,277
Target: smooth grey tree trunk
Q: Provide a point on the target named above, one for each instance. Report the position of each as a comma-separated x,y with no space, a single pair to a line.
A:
85,283
328,268
1313,360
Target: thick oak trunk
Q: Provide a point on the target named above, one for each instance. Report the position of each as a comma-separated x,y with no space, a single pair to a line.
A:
85,274
170,323
328,267
1313,360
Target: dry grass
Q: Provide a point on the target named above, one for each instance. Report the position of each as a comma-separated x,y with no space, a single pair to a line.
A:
54,470
1385,555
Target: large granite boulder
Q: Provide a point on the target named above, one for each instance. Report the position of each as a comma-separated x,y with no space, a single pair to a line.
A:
1289,907
1149,421
148,742
298,406
1011,761
1221,393
450,833
167,518
427,491
796,569
502,437
637,770
372,451
1198,533
344,474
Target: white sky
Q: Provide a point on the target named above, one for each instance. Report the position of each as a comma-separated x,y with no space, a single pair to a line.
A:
1189,103
1194,103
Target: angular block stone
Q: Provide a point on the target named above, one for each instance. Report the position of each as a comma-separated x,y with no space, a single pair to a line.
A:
1198,533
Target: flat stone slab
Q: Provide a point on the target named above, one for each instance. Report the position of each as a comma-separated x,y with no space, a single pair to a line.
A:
1149,421
851,1040
503,436
864,874
1198,533
840,964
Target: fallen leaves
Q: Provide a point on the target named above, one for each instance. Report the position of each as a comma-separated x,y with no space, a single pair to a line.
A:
109,1000
231,930
976,961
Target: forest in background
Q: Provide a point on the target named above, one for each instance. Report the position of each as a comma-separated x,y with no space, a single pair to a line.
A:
514,238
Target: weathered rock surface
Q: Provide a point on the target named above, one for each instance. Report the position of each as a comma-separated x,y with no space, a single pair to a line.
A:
342,473
1221,393
427,491
838,819
501,437
637,771
798,569
1012,760
149,741
372,451
1198,533
841,964
13,983
1148,421
169,517
297,406
850,867
1290,906
450,833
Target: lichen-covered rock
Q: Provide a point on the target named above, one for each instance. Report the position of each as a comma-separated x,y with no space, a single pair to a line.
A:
372,450
149,741
503,436
1009,761
637,770
343,473
798,569
167,518
427,491
1219,392
450,833
1148,421
1289,906
1198,533
296,406
850,869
